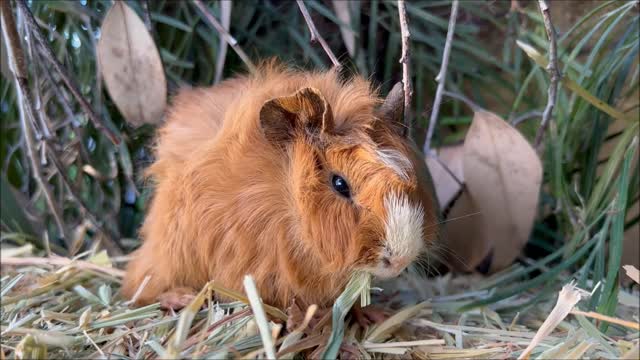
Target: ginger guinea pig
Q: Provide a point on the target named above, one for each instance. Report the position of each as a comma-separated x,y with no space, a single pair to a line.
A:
296,178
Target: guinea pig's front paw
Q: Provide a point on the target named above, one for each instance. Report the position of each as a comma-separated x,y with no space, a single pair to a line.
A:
177,298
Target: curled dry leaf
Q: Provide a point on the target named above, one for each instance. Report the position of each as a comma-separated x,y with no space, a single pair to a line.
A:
503,175
447,188
632,272
131,66
463,232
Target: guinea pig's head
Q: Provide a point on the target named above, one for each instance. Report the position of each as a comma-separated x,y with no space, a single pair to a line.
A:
360,189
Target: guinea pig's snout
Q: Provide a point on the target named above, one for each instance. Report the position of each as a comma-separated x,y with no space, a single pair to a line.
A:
391,266
396,264
403,240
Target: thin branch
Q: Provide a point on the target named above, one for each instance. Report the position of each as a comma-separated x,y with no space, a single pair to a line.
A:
464,99
225,34
225,14
442,76
315,35
449,171
18,67
405,61
42,118
68,80
526,116
61,97
552,69
146,16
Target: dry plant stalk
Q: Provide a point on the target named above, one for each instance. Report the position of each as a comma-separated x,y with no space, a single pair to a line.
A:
595,315
442,76
405,61
224,34
552,69
568,298
315,35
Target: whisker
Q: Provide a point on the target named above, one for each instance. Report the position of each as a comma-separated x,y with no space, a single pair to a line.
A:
456,218
446,251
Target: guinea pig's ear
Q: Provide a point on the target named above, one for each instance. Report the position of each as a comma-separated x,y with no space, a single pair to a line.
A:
392,110
307,110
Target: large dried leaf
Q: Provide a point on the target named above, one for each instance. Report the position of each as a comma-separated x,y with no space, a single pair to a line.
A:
131,66
503,175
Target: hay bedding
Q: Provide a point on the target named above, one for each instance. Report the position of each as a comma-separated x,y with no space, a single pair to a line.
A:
63,308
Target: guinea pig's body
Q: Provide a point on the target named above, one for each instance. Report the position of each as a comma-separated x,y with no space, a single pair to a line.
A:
295,178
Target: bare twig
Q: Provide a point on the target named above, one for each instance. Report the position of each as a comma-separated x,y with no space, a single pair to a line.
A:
42,118
34,29
315,35
18,67
552,69
464,99
225,34
442,76
59,95
405,61
225,15
526,116
146,16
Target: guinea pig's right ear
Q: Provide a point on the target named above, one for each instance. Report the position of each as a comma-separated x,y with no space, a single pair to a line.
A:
306,110
392,110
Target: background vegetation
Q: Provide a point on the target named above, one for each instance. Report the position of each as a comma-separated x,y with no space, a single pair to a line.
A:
591,180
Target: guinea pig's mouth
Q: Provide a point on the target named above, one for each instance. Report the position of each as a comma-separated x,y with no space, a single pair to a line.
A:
390,266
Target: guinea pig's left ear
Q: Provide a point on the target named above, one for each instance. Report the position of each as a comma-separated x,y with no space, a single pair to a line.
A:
392,110
306,110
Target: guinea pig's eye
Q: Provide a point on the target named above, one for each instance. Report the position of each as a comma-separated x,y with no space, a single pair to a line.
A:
340,185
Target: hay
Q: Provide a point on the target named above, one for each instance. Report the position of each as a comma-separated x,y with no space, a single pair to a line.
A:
58,307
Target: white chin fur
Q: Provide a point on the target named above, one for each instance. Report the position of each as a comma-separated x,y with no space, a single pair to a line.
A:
384,273
403,228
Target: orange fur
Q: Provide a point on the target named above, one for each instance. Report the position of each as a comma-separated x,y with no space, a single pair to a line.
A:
229,202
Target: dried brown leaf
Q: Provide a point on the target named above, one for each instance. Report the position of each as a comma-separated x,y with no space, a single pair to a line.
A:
464,235
131,66
503,175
